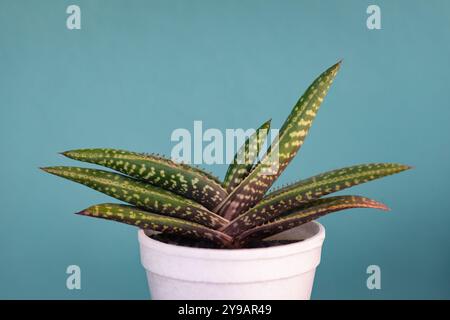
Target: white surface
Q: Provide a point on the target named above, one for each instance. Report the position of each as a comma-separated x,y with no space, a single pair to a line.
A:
280,272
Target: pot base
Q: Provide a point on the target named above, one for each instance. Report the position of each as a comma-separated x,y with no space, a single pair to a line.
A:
163,288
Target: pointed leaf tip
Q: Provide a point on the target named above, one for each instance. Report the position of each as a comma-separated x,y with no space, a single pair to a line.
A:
402,167
68,154
245,157
378,205
335,68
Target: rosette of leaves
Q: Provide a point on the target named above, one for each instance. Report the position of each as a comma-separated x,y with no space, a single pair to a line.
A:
185,205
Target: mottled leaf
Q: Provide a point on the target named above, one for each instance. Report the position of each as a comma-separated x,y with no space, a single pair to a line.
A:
185,180
282,150
245,157
156,222
292,196
306,213
140,194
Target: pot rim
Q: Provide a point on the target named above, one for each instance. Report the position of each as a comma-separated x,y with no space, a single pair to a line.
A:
307,244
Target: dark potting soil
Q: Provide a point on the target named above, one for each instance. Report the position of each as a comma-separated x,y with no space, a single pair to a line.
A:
195,243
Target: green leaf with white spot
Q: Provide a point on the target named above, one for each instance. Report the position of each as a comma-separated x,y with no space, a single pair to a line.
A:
282,150
140,194
245,157
156,222
306,213
297,194
182,179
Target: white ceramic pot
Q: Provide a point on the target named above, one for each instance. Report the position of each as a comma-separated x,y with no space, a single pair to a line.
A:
279,272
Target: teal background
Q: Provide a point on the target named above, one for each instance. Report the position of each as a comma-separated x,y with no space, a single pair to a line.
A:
137,70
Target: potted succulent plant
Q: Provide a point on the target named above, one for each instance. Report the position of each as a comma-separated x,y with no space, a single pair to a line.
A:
202,238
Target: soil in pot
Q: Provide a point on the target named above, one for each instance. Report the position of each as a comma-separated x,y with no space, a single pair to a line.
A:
195,243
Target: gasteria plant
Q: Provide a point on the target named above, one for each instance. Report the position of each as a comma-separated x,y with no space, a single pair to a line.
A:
185,205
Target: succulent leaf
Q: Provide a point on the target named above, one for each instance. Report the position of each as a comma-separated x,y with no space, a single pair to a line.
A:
151,221
290,197
306,213
282,150
185,180
140,194
245,157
